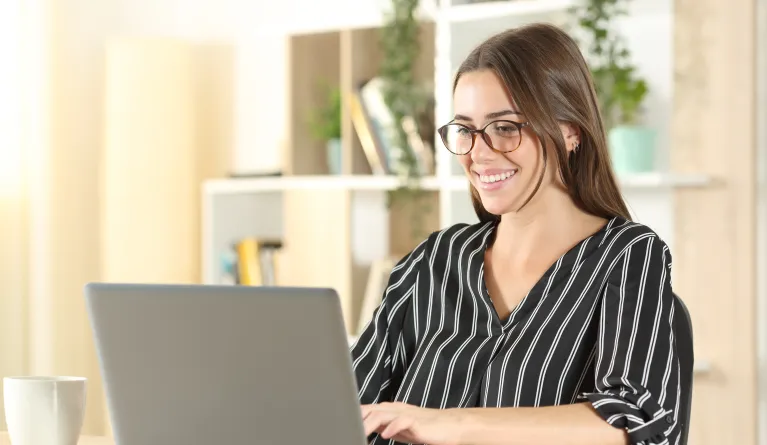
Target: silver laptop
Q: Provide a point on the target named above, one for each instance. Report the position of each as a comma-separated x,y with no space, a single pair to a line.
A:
201,365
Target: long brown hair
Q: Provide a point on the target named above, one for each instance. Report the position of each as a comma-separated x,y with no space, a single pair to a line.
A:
551,82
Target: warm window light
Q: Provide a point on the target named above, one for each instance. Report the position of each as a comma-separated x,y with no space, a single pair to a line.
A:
10,174
10,97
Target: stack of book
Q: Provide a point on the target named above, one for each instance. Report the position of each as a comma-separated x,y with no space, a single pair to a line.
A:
251,262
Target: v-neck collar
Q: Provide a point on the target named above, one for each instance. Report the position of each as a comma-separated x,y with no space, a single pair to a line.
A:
567,262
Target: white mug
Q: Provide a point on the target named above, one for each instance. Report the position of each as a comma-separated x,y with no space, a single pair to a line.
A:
44,410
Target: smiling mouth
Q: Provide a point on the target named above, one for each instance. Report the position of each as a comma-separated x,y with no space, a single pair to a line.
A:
491,179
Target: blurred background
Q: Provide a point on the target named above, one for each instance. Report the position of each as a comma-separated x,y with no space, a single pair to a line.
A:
293,143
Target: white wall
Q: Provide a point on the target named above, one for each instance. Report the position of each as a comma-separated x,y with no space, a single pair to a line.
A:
230,19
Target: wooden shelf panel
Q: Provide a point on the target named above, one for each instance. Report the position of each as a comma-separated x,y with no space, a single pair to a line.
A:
316,248
361,59
313,67
412,221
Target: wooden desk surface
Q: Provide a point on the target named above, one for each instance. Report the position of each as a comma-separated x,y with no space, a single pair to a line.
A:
84,440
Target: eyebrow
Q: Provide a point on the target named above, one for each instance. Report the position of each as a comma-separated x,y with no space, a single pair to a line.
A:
493,115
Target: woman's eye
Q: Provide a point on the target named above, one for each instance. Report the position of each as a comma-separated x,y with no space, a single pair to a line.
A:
504,130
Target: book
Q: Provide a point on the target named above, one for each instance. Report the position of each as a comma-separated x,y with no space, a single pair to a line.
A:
255,262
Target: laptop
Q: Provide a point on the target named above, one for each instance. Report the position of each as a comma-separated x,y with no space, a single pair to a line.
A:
201,365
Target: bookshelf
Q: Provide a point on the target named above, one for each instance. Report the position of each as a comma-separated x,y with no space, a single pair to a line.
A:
334,227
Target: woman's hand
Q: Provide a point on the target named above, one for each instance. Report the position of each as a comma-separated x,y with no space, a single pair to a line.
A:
412,424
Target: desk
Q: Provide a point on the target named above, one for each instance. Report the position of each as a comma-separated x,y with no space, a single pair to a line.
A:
84,440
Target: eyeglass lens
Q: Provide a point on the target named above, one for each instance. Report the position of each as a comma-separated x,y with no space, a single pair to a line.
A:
502,136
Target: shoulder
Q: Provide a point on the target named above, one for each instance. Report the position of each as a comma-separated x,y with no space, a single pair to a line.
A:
435,252
641,268
441,245
623,235
637,248
460,236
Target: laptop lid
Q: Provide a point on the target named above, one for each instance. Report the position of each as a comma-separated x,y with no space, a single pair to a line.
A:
197,365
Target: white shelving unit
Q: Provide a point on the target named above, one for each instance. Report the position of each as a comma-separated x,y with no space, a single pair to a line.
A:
354,204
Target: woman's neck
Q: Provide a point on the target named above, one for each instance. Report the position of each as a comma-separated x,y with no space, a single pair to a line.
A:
548,225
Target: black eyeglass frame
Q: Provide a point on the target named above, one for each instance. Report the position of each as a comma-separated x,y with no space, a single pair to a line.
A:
486,137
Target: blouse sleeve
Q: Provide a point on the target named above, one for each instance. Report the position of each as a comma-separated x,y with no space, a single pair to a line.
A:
637,367
378,357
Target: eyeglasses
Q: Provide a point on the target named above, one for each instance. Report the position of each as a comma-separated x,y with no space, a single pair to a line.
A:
502,136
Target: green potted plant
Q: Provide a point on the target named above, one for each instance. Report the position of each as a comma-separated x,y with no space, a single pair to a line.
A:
325,126
400,49
620,90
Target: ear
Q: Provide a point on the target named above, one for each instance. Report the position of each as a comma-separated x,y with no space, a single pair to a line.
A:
572,136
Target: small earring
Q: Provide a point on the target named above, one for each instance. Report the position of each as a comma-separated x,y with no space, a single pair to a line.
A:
577,146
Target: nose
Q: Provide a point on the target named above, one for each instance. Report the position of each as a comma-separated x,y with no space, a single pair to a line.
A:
481,151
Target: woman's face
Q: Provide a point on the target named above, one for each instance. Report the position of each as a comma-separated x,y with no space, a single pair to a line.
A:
504,180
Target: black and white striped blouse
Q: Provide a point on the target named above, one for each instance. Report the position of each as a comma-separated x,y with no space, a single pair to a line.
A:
596,327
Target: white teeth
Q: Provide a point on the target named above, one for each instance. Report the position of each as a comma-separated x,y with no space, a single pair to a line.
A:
495,178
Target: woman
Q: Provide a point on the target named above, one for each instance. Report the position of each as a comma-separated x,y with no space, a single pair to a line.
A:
549,321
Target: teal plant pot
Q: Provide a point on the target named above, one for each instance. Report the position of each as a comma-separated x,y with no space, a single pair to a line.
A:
632,149
333,148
